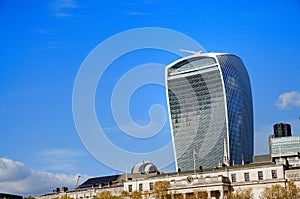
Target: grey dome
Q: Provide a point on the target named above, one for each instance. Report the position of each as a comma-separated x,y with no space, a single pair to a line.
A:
144,167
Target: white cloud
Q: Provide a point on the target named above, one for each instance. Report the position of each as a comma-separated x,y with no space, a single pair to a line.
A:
16,178
288,99
10,170
61,8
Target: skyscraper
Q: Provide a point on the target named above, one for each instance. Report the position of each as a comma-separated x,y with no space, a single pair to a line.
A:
210,110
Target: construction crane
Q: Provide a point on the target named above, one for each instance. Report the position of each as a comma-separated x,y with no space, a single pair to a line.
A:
77,181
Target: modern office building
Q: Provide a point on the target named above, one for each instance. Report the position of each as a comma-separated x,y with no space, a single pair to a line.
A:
285,150
210,111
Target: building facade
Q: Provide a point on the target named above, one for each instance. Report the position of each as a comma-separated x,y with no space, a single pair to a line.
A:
210,111
285,150
217,182
285,144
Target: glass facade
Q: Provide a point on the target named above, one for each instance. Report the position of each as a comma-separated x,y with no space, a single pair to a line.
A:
210,109
285,144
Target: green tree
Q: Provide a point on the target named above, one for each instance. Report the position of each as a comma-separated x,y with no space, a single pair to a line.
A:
160,189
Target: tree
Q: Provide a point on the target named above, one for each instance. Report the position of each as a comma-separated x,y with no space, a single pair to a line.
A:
292,191
125,194
178,196
116,197
66,197
241,194
274,192
147,194
63,197
279,192
160,189
28,197
200,194
105,195
136,195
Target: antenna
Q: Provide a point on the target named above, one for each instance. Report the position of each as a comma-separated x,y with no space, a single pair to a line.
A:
191,51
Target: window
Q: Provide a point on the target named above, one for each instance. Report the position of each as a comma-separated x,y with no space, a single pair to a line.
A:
260,175
130,188
140,187
233,177
274,174
246,177
151,185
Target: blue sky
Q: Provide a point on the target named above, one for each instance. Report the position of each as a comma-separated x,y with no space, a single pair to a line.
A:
43,44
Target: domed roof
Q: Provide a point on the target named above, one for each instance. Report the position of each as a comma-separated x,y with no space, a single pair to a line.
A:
144,167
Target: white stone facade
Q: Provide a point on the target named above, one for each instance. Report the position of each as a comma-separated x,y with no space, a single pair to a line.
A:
217,182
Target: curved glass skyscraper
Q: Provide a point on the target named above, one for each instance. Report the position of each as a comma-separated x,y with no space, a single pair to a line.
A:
210,109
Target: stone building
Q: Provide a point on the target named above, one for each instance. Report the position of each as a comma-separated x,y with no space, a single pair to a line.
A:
218,182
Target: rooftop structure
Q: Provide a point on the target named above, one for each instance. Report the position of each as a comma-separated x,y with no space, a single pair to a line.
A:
144,167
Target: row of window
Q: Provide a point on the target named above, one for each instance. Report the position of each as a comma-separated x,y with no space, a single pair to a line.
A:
233,179
140,187
260,176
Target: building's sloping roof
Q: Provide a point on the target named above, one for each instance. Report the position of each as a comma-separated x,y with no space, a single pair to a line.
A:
10,196
113,180
105,180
